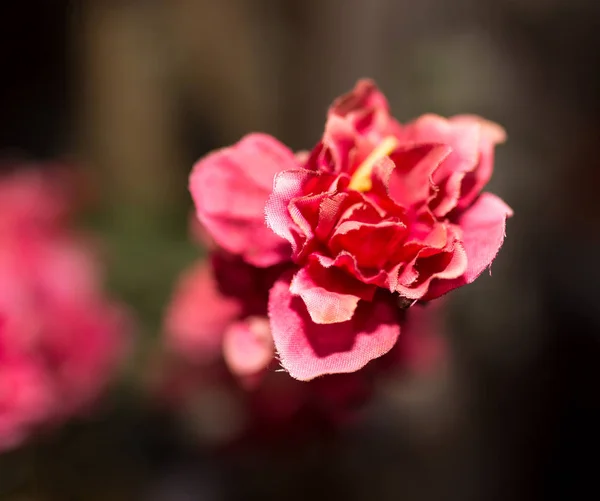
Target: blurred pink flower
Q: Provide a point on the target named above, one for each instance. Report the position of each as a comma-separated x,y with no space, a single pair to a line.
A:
60,337
219,310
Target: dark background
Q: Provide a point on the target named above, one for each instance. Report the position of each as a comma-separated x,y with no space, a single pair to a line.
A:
136,91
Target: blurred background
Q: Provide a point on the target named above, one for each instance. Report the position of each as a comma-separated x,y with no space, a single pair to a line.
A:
135,91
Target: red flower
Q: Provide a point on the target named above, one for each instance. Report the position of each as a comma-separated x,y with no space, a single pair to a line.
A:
376,213
217,327
378,206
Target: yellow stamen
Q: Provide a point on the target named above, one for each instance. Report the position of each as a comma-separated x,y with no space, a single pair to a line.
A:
361,179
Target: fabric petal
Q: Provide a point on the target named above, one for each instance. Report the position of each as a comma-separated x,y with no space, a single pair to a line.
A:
288,186
464,138
308,350
330,294
410,181
365,95
474,181
346,261
230,188
373,245
367,110
483,226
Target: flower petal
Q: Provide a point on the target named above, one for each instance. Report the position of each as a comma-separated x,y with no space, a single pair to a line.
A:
330,294
230,187
367,110
198,315
288,186
474,181
364,96
463,136
372,244
338,148
483,226
248,346
406,177
308,350
448,263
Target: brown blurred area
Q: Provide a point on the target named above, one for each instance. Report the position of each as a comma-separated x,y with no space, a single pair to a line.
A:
137,90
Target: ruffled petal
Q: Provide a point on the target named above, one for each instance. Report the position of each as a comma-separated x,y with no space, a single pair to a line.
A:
483,226
330,294
374,245
474,181
463,137
406,177
288,186
230,187
367,110
308,350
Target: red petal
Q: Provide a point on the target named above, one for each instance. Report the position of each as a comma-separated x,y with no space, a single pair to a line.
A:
463,136
290,185
308,350
409,182
338,147
346,261
491,135
447,264
365,95
483,226
330,294
334,208
373,245
367,110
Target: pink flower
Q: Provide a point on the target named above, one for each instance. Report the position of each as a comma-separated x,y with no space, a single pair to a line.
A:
378,207
216,327
377,214
60,337
25,396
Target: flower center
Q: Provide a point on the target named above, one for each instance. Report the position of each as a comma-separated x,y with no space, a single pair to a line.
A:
361,179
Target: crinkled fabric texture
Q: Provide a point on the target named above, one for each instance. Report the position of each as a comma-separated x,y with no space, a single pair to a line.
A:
60,337
378,206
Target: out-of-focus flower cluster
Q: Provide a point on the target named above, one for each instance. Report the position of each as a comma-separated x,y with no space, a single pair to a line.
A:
226,376
60,337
